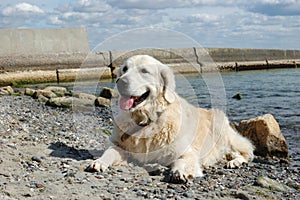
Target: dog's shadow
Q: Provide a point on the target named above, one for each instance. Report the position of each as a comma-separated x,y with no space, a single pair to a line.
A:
62,150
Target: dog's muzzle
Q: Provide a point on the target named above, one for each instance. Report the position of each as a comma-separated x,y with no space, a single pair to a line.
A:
127,101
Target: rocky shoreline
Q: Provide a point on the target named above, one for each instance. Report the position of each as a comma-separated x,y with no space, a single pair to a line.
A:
45,150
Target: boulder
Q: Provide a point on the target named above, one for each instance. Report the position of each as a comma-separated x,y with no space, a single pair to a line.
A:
59,91
108,93
7,90
102,102
85,96
42,98
238,96
272,184
84,99
265,133
46,93
29,92
65,102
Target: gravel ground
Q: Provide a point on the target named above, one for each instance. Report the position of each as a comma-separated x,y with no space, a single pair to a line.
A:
44,152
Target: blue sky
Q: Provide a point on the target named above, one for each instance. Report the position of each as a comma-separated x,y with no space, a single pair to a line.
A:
213,23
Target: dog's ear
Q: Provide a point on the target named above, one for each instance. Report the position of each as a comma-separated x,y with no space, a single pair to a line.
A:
168,81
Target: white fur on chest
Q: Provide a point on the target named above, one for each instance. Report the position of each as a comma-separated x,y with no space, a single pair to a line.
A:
160,142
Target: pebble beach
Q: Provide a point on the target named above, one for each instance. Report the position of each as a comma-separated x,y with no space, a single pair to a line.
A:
45,151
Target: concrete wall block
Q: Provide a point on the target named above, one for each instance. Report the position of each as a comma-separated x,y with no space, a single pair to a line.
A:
43,41
97,59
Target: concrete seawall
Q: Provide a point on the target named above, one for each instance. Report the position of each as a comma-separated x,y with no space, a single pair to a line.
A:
48,55
42,49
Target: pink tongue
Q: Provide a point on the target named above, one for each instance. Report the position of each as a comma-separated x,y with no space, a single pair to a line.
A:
126,103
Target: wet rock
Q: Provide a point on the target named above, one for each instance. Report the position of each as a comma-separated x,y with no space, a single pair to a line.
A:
59,91
238,96
46,93
68,102
42,98
266,135
6,90
102,102
29,92
108,93
65,102
86,97
272,184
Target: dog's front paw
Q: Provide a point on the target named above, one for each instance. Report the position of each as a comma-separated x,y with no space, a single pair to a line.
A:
233,164
178,177
236,162
97,166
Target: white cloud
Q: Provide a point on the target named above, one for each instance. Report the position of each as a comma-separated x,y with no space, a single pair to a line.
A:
231,23
22,9
274,7
86,6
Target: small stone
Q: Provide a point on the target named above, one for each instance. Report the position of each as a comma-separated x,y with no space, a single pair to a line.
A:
242,195
37,185
36,159
149,180
220,172
187,194
27,195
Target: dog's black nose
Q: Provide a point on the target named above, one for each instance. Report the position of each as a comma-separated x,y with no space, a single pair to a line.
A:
122,82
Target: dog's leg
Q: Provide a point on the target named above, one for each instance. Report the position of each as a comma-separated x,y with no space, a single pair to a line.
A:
111,156
184,168
241,150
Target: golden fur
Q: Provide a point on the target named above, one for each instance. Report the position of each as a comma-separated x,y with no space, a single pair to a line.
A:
166,129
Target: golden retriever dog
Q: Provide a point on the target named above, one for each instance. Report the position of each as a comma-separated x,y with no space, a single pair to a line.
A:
155,125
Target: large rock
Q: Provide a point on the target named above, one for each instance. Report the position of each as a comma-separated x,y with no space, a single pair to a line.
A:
6,90
102,102
272,184
59,91
46,93
84,99
108,93
65,102
266,135
29,92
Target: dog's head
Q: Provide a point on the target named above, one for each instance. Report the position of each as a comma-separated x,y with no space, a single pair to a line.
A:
143,82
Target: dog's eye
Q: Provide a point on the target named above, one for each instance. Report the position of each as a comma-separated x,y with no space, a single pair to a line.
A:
125,68
144,71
